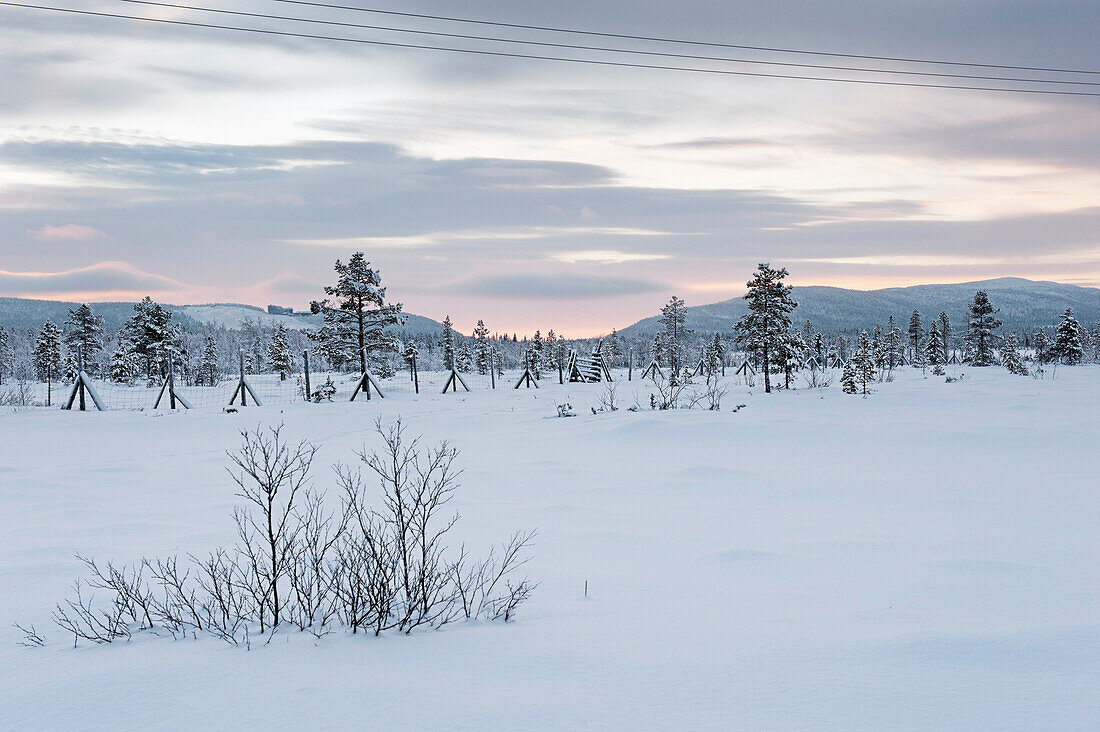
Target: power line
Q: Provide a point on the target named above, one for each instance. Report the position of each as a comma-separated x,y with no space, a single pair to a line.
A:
683,41
541,57
605,49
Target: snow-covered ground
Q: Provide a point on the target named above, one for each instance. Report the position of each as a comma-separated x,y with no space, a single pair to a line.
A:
927,557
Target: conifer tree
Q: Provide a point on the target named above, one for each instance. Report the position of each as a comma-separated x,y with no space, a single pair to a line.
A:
5,353
1068,346
46,356
893,344
848,379
85,336
448,340
765,329
361,301
1010,357
657,351
916,335
483,350
933,347
278,353
335,340
208,367
712,355
1041,346
945,336
861,367
980,338
464,360
673,316
614,348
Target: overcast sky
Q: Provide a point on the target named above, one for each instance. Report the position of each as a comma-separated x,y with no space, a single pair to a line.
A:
202,165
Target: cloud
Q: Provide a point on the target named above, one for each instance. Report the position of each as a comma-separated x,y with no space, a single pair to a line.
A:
67,232
554,286
604,256
98,281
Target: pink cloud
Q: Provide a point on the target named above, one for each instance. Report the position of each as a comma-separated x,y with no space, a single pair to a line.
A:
68,232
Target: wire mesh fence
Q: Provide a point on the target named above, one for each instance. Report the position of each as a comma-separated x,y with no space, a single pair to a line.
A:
272,389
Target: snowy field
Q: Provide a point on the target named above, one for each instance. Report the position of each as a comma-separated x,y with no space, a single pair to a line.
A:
924,558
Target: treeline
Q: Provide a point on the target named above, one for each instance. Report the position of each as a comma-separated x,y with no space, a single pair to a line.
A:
361,328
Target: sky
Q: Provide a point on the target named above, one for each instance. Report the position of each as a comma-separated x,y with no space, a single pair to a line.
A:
199,165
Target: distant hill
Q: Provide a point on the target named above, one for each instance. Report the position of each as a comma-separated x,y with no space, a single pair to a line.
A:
1024,305
19,313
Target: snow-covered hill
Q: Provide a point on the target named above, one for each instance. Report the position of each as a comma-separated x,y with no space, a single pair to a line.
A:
1024,305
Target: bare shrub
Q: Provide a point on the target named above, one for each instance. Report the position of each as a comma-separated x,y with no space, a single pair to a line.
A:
817,379
369,566
19,394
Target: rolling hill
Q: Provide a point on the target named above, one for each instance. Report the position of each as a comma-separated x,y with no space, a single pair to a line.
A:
1024,305
19,313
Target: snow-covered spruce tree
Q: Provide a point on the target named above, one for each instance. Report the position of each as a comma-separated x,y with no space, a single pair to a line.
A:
933,347
789,355
980,338
278,353
447,340
209,365
1068,348
916,335
945,336
464,360
410,353
712,355
1040,345
614,349
878,347
549,351
1010,357
335,341
1094,343
893,344
483,351
673,316
766,327
360,300
862,364
85,335
47,356
656,350
848,379
5,353
152,339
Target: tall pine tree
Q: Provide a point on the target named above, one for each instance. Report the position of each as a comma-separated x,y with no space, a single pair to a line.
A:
980,339
765,329
361,300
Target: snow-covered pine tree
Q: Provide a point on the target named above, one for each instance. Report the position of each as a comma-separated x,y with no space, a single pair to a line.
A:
916,335
361,301
482,348
672,318
278,353
766,327
46,356
657,350
980,338
1068,348
209,365
335,341
1010,357
447,339
945,336
933,347
85,335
